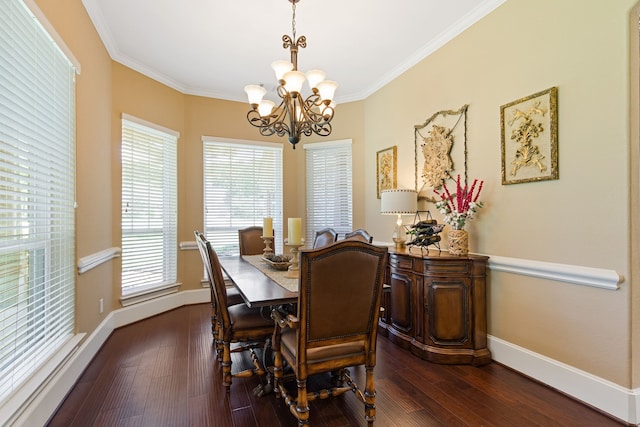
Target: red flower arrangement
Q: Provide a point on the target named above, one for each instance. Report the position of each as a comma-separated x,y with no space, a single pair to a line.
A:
460,206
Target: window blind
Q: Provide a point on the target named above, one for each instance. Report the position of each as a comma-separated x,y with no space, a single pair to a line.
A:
242,186
37,194
149,207
329,196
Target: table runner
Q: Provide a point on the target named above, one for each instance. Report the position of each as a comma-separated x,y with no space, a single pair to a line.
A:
277,276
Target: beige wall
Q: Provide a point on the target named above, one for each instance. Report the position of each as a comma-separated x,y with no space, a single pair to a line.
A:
581,219
521,48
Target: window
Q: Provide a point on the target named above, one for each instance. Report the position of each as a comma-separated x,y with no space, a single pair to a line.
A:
242,186
37,195
329,199
149,207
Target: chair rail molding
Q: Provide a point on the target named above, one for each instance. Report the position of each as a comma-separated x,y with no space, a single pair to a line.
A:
190,245
92,261
576,274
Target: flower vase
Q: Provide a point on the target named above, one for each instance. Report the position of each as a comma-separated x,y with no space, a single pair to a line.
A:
458,242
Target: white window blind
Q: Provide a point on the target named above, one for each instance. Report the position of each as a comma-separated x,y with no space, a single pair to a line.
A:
242,186
37,193
149,207
329,197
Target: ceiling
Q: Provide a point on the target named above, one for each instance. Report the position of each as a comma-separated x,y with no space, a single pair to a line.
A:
214,48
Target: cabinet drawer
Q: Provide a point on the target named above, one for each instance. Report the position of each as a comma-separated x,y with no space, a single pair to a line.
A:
438,267
403,262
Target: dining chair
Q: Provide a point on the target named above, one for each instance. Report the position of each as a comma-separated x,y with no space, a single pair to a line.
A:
233,296
238,323
324,237
335,326
250,240
359,234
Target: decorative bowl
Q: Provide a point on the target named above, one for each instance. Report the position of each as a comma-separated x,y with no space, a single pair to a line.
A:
277,265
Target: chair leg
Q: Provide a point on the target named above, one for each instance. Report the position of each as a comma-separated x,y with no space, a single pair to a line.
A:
369,397
226,365
219,342
302,405
277,363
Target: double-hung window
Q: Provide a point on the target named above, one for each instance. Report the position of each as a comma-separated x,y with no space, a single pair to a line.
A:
329,196
242,186
149,209
37,196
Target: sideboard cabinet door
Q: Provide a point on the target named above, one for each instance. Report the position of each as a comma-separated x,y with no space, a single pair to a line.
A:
447,313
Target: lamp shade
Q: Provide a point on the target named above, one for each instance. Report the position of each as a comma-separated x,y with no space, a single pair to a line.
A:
293,81
398,201
255,93
327,89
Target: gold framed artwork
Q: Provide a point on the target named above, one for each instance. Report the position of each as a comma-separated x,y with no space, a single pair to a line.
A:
440,151
529,128
386,169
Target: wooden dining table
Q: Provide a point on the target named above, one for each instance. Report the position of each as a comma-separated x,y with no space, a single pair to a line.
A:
259,284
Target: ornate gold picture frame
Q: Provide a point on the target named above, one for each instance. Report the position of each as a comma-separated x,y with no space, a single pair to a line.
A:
529,129
386,169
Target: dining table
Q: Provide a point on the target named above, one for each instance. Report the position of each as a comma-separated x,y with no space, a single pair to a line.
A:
260,284
265,287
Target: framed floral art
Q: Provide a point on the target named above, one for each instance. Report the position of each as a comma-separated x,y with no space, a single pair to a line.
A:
386,173
529,128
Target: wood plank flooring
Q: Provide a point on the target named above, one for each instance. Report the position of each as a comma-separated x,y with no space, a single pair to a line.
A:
161,372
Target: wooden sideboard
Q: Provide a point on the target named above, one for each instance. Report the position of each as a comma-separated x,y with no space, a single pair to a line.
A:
435,306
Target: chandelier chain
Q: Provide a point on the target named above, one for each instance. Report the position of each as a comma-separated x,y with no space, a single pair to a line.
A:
293,20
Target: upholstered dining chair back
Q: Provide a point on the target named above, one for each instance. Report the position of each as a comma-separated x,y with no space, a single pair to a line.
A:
250,241
339,296
200,240
359,234
324,237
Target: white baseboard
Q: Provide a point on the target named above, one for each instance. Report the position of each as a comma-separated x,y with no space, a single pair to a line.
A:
49,398
609,397
618,401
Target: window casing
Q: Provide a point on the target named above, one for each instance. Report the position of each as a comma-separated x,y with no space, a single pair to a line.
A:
329,187
149,207
242,185
37,197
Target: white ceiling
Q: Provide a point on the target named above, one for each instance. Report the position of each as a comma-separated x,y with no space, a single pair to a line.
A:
214,48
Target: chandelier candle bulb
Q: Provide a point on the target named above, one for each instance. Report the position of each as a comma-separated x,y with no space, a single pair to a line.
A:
267,227
295,231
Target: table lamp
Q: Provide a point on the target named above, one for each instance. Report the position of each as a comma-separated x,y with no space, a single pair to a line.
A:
399,202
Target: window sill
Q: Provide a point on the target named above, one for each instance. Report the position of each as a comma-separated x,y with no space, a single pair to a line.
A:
149,294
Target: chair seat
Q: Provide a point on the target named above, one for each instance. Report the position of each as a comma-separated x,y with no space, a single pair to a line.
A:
324,353
243,317
233,296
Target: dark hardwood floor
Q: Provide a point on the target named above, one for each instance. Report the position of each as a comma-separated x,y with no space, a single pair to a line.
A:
161,372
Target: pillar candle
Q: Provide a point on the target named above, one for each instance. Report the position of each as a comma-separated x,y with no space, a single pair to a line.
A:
267,227
295,231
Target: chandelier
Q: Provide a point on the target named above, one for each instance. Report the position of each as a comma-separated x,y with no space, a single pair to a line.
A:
294,116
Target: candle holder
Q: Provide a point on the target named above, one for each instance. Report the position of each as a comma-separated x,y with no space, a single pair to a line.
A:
268,240
294,270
